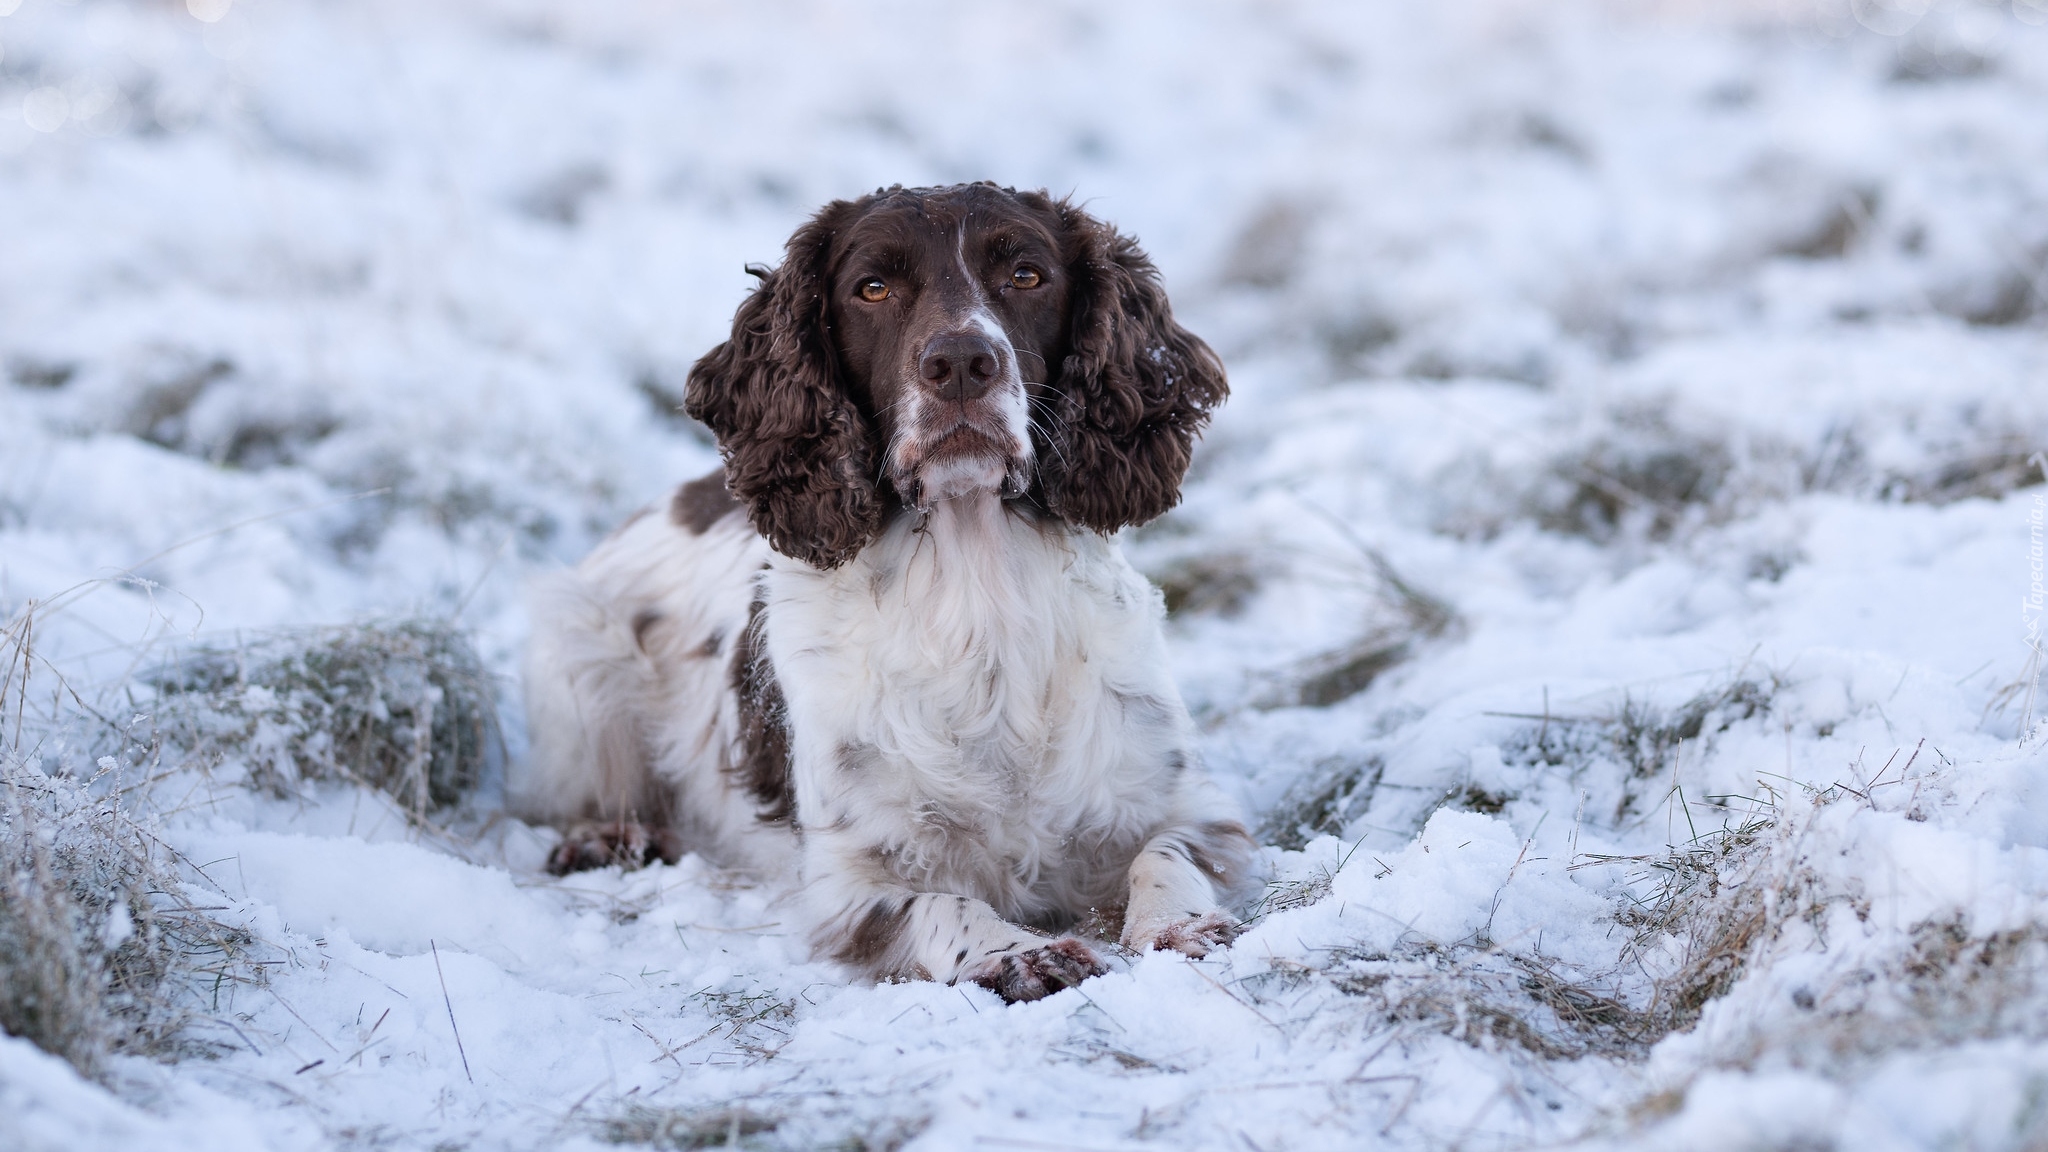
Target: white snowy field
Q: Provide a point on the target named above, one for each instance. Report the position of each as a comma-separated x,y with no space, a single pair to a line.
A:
1610,588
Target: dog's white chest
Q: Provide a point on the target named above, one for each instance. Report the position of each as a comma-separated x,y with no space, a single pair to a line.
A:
969,695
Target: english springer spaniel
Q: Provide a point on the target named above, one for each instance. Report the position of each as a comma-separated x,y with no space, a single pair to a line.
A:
891,648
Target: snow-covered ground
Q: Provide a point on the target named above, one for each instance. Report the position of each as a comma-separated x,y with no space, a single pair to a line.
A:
1610,585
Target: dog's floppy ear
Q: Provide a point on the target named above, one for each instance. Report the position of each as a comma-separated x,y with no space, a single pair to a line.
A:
1133,392
798,453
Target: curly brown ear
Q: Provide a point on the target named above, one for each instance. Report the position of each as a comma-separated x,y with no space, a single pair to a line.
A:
798,453
1133,393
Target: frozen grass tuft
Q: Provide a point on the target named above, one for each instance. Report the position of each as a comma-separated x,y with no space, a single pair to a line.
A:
1960,985
720,1127
1633,476
404,707
1935,985
82,952
1622,752
1640,739
809,1123
1696,919
1415,616
1948,985
1407,614
1643,481
1988,470
1218,583
1646,736
1322,801
1715,898
1709,908
754,1024
1488,1000
101,945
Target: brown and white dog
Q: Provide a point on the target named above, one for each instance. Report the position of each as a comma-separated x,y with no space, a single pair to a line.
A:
891,649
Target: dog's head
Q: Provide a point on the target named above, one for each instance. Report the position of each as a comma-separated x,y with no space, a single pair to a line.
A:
922,344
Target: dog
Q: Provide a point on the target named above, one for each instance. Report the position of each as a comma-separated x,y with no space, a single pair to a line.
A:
891,649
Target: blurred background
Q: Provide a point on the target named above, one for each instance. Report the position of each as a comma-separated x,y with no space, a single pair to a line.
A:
265,255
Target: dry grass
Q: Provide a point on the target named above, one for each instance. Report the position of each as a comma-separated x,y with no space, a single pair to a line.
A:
1696,917
1645,480
81,952
1414,616
1639,738
1491,1000
1407,615
812,1123
754,1024
1947,985
1701,916
1283,895
103,947
1625,751
717,1127
1218,583
1986,470
1338,790
1633,476
1331,794
405,707
1966,986
1717,898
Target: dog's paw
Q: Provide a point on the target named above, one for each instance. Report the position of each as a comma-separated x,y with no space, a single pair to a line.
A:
627,844
1036,972
1196,937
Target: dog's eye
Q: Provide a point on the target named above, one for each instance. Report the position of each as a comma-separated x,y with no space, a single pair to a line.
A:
873,290
1025,277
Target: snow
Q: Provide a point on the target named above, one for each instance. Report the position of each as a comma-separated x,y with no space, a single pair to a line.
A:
1675,348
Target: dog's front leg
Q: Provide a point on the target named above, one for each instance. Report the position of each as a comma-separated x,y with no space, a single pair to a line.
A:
1177,883
886,930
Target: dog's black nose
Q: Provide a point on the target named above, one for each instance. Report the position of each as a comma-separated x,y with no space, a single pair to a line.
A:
959,365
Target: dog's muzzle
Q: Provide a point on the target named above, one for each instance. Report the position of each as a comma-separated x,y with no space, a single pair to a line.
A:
966,421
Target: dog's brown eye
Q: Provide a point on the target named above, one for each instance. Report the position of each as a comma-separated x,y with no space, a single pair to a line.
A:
1025,278
873,290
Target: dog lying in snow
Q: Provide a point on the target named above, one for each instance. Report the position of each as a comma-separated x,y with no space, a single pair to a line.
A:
890,647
